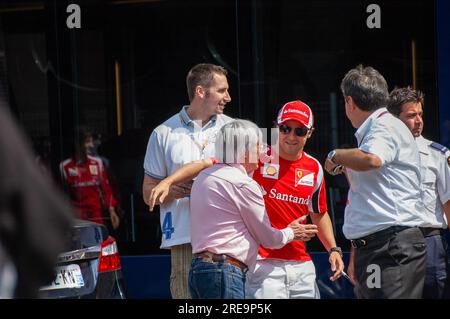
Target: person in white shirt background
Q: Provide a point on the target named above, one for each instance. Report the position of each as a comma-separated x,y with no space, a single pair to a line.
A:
407,104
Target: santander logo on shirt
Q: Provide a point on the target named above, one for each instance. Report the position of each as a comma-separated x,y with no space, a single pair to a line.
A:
288,197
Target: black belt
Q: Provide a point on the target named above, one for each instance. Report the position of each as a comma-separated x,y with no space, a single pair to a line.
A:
208,256
385,233
430,231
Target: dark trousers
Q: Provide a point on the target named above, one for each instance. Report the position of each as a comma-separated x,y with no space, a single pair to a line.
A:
437,274
391,264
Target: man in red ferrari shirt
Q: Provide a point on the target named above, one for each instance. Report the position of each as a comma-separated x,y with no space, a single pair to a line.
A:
86,180
293,186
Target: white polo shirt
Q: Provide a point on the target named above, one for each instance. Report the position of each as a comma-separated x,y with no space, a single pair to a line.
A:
176,142
390,195
435,169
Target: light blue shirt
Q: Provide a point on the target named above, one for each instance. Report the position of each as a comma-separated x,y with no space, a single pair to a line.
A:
390,195
435,181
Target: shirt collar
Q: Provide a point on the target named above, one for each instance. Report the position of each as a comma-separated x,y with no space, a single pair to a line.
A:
422,145
367,124
188,121
184,116
240,167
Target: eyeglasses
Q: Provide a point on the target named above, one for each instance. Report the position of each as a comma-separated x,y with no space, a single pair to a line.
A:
299,131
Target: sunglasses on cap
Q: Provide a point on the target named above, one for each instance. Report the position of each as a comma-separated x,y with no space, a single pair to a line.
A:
299,131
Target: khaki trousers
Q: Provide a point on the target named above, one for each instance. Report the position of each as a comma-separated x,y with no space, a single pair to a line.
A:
181,257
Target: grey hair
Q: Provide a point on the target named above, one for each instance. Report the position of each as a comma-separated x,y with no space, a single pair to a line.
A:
367,87
236,140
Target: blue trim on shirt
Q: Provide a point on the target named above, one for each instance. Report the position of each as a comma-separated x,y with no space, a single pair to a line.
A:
184,116
153,175
439,147
188,121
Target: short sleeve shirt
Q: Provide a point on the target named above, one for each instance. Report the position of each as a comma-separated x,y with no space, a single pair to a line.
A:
435,168
391,195
176,142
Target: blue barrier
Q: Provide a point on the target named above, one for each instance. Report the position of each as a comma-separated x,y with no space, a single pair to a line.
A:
147,277
341,288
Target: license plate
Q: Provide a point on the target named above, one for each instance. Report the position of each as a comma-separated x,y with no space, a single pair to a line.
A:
68,276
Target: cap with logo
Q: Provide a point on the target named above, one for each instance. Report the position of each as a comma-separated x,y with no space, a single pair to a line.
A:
296,111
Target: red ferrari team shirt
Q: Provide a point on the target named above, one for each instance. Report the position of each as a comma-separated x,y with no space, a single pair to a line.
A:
291,190
89,187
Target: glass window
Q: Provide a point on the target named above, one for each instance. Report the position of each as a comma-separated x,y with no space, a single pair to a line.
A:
123,73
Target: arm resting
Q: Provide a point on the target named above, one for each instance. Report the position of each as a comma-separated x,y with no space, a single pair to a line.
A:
188,172
174,186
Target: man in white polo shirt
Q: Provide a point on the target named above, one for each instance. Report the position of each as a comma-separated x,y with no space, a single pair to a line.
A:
407,105
185,137
384,201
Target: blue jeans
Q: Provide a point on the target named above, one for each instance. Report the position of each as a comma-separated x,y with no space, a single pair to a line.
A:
216,280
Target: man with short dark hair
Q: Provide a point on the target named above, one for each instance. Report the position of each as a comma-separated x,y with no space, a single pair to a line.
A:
384,202
407,104
185,137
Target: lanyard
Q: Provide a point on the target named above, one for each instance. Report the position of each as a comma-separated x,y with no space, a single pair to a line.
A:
201,146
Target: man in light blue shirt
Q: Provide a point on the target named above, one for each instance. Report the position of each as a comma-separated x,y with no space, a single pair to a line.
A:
407,105
384,206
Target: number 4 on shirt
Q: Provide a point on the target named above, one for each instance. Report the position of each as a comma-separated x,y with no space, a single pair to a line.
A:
167,228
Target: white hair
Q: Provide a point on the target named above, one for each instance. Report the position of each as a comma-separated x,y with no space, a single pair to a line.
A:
236,142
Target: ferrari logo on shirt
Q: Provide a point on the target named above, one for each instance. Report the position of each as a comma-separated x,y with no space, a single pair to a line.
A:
93,169
73,171
448,161
271,170
304,178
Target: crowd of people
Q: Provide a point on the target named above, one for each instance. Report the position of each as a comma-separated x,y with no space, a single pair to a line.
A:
239,230
236,214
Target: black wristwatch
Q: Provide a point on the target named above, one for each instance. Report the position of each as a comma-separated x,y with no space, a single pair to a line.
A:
338,250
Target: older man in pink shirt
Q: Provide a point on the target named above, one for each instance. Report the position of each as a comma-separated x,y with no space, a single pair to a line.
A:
228,217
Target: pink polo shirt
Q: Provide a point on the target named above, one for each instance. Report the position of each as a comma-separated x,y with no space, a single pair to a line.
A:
228,215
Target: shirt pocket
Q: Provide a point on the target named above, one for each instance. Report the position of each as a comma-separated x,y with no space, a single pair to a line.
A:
429,180
429,191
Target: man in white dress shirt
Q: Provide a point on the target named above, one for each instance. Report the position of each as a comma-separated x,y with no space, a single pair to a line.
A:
384,206
407,105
